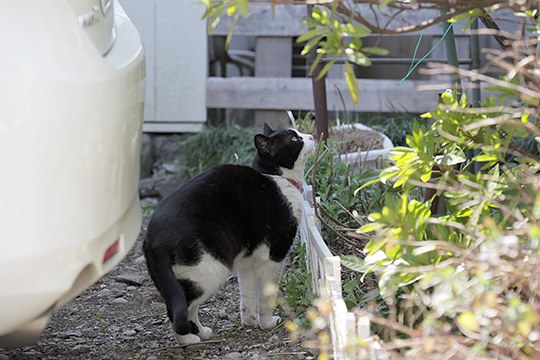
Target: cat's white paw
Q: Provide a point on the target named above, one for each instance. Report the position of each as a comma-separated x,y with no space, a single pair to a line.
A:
205,333
249,320
269,322
187,339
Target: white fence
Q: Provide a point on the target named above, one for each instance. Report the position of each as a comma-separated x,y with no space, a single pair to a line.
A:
350,333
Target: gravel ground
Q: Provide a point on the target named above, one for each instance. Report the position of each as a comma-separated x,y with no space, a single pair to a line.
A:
122,316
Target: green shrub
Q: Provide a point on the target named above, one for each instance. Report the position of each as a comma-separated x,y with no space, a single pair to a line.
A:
217,145
466,272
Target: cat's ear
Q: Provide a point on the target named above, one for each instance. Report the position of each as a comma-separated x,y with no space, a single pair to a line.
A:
267,130
262,143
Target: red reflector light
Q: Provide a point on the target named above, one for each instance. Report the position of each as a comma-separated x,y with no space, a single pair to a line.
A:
111,251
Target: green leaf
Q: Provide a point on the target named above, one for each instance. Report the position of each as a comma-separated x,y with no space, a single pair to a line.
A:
467,320
351,82
375,51
485,158
357,57
309,35
354,263
384,3
369,183
325,69
231,10
370,227
243,7
454,157
356,31
311,43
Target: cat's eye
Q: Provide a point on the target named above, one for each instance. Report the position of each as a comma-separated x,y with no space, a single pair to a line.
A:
294,138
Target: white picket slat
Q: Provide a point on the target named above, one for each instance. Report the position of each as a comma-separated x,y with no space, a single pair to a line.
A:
346,327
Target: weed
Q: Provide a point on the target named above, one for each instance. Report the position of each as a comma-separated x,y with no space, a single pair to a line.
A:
148,209
296,285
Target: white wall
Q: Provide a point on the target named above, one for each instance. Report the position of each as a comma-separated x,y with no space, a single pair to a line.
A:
174,36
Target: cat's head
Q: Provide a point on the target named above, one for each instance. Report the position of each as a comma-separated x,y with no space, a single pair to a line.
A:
284,150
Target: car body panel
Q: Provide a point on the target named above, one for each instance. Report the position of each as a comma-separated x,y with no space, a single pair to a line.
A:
70,132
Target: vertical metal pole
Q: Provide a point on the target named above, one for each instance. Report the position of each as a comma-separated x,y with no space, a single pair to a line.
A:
475,57
451,52
476,93
319,94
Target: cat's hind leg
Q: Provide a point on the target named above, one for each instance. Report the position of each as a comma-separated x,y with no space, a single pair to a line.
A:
201,331
249,299
267,274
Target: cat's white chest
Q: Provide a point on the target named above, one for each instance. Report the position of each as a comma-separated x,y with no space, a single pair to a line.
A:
293,195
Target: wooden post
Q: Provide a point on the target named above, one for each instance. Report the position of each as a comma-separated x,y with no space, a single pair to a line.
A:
319,93
273,58
320,103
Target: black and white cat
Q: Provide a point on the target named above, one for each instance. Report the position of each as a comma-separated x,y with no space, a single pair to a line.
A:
229,219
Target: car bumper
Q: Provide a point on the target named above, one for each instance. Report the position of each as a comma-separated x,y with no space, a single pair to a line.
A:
41,303
70,134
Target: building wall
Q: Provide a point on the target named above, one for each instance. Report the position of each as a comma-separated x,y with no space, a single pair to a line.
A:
174,36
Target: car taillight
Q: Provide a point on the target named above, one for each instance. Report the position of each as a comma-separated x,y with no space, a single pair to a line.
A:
111,251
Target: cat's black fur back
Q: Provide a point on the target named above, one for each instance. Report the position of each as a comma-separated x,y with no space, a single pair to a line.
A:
230,218
223,211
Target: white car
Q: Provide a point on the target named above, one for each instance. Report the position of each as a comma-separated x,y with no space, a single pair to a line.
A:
71,105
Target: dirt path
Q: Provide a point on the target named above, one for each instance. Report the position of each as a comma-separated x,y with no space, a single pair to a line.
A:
123,317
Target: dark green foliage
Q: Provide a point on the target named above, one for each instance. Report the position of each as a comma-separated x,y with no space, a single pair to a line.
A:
217,145
396,125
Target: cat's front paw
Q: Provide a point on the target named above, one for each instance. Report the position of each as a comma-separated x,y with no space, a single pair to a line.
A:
187,339
268,322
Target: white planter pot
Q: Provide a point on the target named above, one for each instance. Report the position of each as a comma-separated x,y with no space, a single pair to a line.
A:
362,160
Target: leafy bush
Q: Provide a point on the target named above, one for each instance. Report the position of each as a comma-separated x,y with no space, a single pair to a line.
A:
465,272
397,126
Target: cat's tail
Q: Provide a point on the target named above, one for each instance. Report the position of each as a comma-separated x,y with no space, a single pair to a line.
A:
159,266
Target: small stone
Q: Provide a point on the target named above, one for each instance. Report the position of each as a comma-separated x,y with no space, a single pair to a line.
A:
118,286
129,333
140,260
256,357
130,279
195,347
120,300
170,167
76,333
131,288
114,328
178,351
29,353
105,292
152,357
81,348
274,340
233,356
223,314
